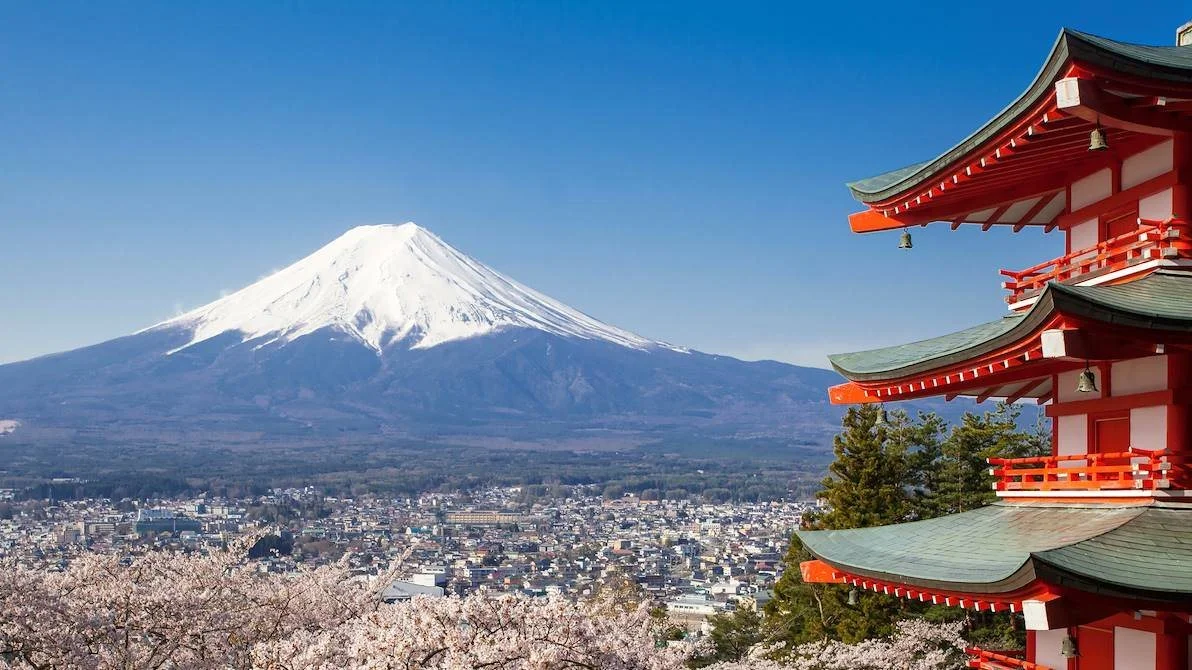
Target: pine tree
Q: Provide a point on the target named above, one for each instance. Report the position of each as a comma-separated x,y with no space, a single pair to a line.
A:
732,636
867,483
961,474
889,471
870,483
921,440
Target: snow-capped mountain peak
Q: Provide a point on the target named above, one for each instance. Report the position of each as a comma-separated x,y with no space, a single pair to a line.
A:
387,284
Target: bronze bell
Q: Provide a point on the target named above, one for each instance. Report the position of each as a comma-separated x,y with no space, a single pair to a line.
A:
1068,647
852,598
1097,139
904,242
882,419
1087,382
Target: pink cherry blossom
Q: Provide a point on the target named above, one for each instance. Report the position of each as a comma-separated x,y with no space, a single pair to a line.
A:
180,611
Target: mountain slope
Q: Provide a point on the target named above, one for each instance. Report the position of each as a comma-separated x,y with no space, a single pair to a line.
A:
389,331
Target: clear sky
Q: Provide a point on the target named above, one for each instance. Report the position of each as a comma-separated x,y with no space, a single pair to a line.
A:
675,169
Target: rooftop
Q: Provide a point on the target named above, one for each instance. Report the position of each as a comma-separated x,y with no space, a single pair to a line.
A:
1142,551
1170,63
1157,301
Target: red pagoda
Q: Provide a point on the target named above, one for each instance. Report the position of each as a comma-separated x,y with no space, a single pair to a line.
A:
1093,543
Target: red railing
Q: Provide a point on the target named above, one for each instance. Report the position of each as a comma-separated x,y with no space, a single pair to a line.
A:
984,659
1150,241
1136,469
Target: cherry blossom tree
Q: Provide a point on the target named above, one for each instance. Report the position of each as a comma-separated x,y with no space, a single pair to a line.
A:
163,609
916,645
216,612
479,632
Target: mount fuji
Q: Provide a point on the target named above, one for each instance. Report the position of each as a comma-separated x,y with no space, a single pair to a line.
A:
388,331
390,285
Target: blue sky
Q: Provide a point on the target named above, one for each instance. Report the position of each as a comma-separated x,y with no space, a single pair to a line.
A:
676,172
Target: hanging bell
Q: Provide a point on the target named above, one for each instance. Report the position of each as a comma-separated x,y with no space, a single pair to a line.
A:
1087,382
904,242
1068,647
1097,139
853,597
882,419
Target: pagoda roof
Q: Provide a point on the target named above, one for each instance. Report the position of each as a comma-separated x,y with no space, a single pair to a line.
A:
1139,551
1161,300
1016,169
1161,63
890,362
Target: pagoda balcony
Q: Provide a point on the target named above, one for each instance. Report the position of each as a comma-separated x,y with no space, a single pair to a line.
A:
984,659
1140,249
1133,470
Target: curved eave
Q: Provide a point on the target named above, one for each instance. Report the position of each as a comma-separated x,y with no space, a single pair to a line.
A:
1159,301
1014,582
1039,314
1163,64
1121,551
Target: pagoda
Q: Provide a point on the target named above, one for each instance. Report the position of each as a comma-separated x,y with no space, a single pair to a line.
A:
1091,544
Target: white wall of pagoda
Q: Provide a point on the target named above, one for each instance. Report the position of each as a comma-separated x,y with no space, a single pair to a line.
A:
1139,375
1148,427
1147,164
1048,645
1134,170
1066,389
1085,192
1133,649
1072,437
1156,207
1102,645
1148,424
1144,165
1072,431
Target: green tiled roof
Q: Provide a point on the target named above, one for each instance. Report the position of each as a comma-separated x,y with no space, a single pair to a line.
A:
881,181
888,359
1153,550
1166,63
1161,300
1003,547
1174,59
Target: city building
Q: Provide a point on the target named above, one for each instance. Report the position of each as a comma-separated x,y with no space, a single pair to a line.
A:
484,518
692,610
1093,543
401,591
154,521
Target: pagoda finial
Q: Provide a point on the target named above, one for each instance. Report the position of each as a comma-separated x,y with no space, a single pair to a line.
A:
1183,35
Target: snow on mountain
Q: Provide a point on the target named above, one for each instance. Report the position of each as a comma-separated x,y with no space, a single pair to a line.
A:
9,426
388,332
391,284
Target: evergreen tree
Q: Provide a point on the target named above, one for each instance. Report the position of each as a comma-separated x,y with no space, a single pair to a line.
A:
800,612
960,476
732,636
888,470
869,484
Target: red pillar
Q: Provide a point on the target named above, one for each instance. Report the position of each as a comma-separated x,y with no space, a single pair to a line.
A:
1179,423
1171,650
